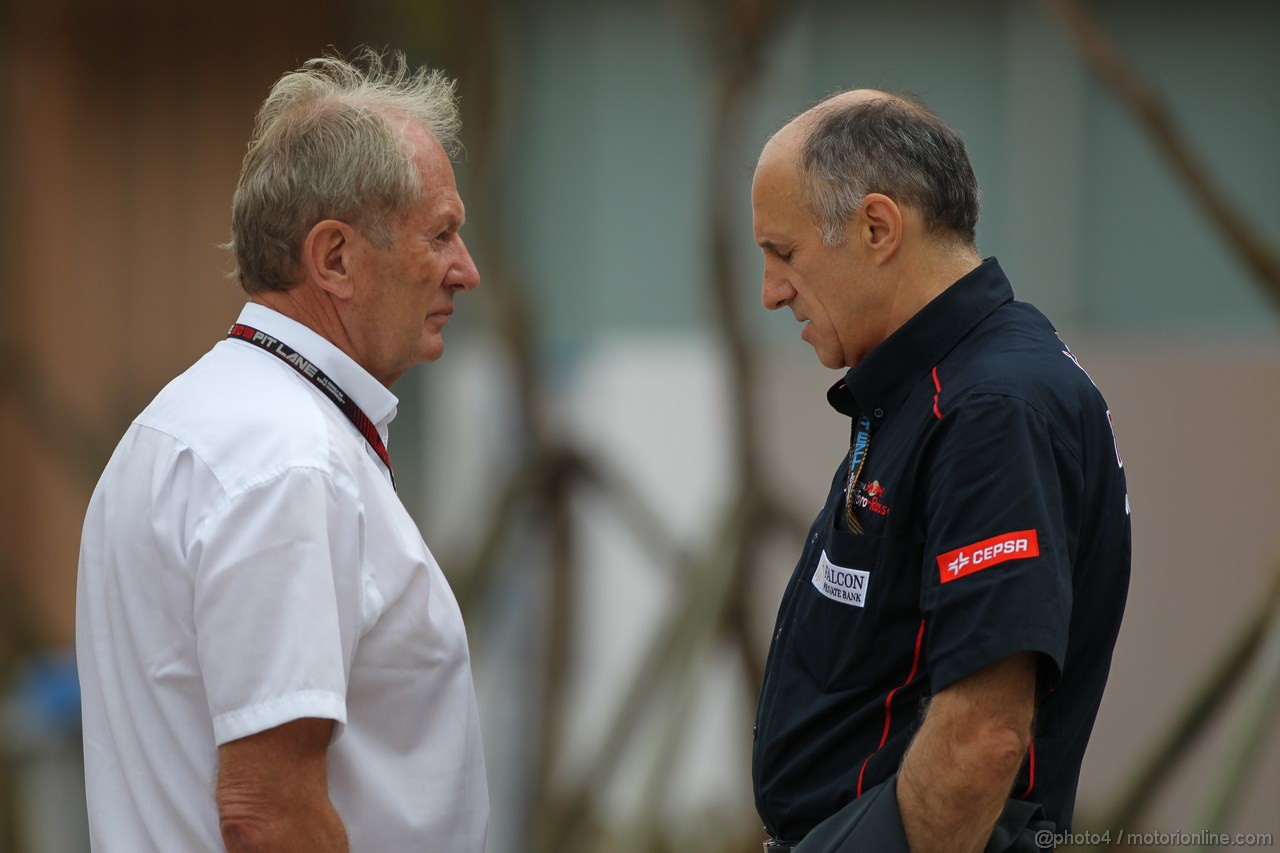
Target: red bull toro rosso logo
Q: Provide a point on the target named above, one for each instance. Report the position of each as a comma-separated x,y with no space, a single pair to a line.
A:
987,553
867,496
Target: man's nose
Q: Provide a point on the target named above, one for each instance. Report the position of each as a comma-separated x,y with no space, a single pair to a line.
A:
777,290
464,275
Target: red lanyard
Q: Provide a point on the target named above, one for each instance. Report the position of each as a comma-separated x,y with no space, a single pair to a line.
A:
316,377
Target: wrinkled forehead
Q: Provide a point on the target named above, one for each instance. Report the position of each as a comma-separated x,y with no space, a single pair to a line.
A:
777,174
427,152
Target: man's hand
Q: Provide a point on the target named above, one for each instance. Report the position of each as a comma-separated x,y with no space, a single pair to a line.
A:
960,767
273,791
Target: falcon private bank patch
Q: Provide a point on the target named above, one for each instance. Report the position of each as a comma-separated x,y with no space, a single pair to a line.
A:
989,552
847,586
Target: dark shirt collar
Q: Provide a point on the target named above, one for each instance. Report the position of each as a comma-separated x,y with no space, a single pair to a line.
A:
882,380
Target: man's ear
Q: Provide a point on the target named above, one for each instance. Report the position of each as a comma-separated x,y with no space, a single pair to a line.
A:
327,256
880,224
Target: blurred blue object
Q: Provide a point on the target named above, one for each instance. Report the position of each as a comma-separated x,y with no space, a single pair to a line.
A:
41,753
46,692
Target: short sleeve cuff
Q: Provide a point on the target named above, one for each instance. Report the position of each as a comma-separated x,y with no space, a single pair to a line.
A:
243,722
953,665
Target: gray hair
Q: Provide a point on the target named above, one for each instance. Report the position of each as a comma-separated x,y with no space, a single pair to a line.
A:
328,143
894,146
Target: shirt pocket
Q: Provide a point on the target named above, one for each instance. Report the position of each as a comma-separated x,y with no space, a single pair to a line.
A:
838,609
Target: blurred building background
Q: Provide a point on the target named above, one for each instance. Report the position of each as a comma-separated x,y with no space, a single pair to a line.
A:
614,456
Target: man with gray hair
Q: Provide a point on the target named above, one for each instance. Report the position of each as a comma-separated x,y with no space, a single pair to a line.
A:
270,657
942,648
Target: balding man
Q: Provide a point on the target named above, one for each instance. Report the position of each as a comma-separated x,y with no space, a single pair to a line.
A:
270,656
942,647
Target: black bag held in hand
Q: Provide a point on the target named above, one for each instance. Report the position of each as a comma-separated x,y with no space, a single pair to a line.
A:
873,824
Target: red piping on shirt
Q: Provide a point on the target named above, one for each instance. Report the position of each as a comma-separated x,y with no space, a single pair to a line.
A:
1031,770
937,387
888,704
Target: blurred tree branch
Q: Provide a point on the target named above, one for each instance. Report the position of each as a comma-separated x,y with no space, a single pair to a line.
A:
1255,652
81,447
712,591
1248,725
1152,114
544,486
1192,720
747,27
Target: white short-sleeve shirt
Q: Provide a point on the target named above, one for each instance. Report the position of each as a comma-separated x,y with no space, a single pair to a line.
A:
245,562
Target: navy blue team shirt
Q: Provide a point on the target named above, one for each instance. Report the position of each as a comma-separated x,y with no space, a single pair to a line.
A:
995,520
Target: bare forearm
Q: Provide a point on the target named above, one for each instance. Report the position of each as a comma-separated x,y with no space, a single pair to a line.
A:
951,793
302,828
960,767
273,795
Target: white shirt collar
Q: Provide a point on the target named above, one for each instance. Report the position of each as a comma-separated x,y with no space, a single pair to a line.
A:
378,403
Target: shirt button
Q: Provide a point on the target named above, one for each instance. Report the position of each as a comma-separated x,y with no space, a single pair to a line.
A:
879,413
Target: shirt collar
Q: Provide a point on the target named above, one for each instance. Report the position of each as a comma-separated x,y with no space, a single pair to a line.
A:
377,402
882,380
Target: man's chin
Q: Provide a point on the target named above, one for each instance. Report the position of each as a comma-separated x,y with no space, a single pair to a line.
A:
830,360
433,350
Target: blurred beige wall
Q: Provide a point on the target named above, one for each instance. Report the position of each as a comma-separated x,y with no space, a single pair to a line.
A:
124,124
1198,428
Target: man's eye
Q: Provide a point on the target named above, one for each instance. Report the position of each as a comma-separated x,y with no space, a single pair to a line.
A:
785,256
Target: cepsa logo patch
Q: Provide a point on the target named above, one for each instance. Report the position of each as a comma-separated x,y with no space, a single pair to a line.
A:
987,553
